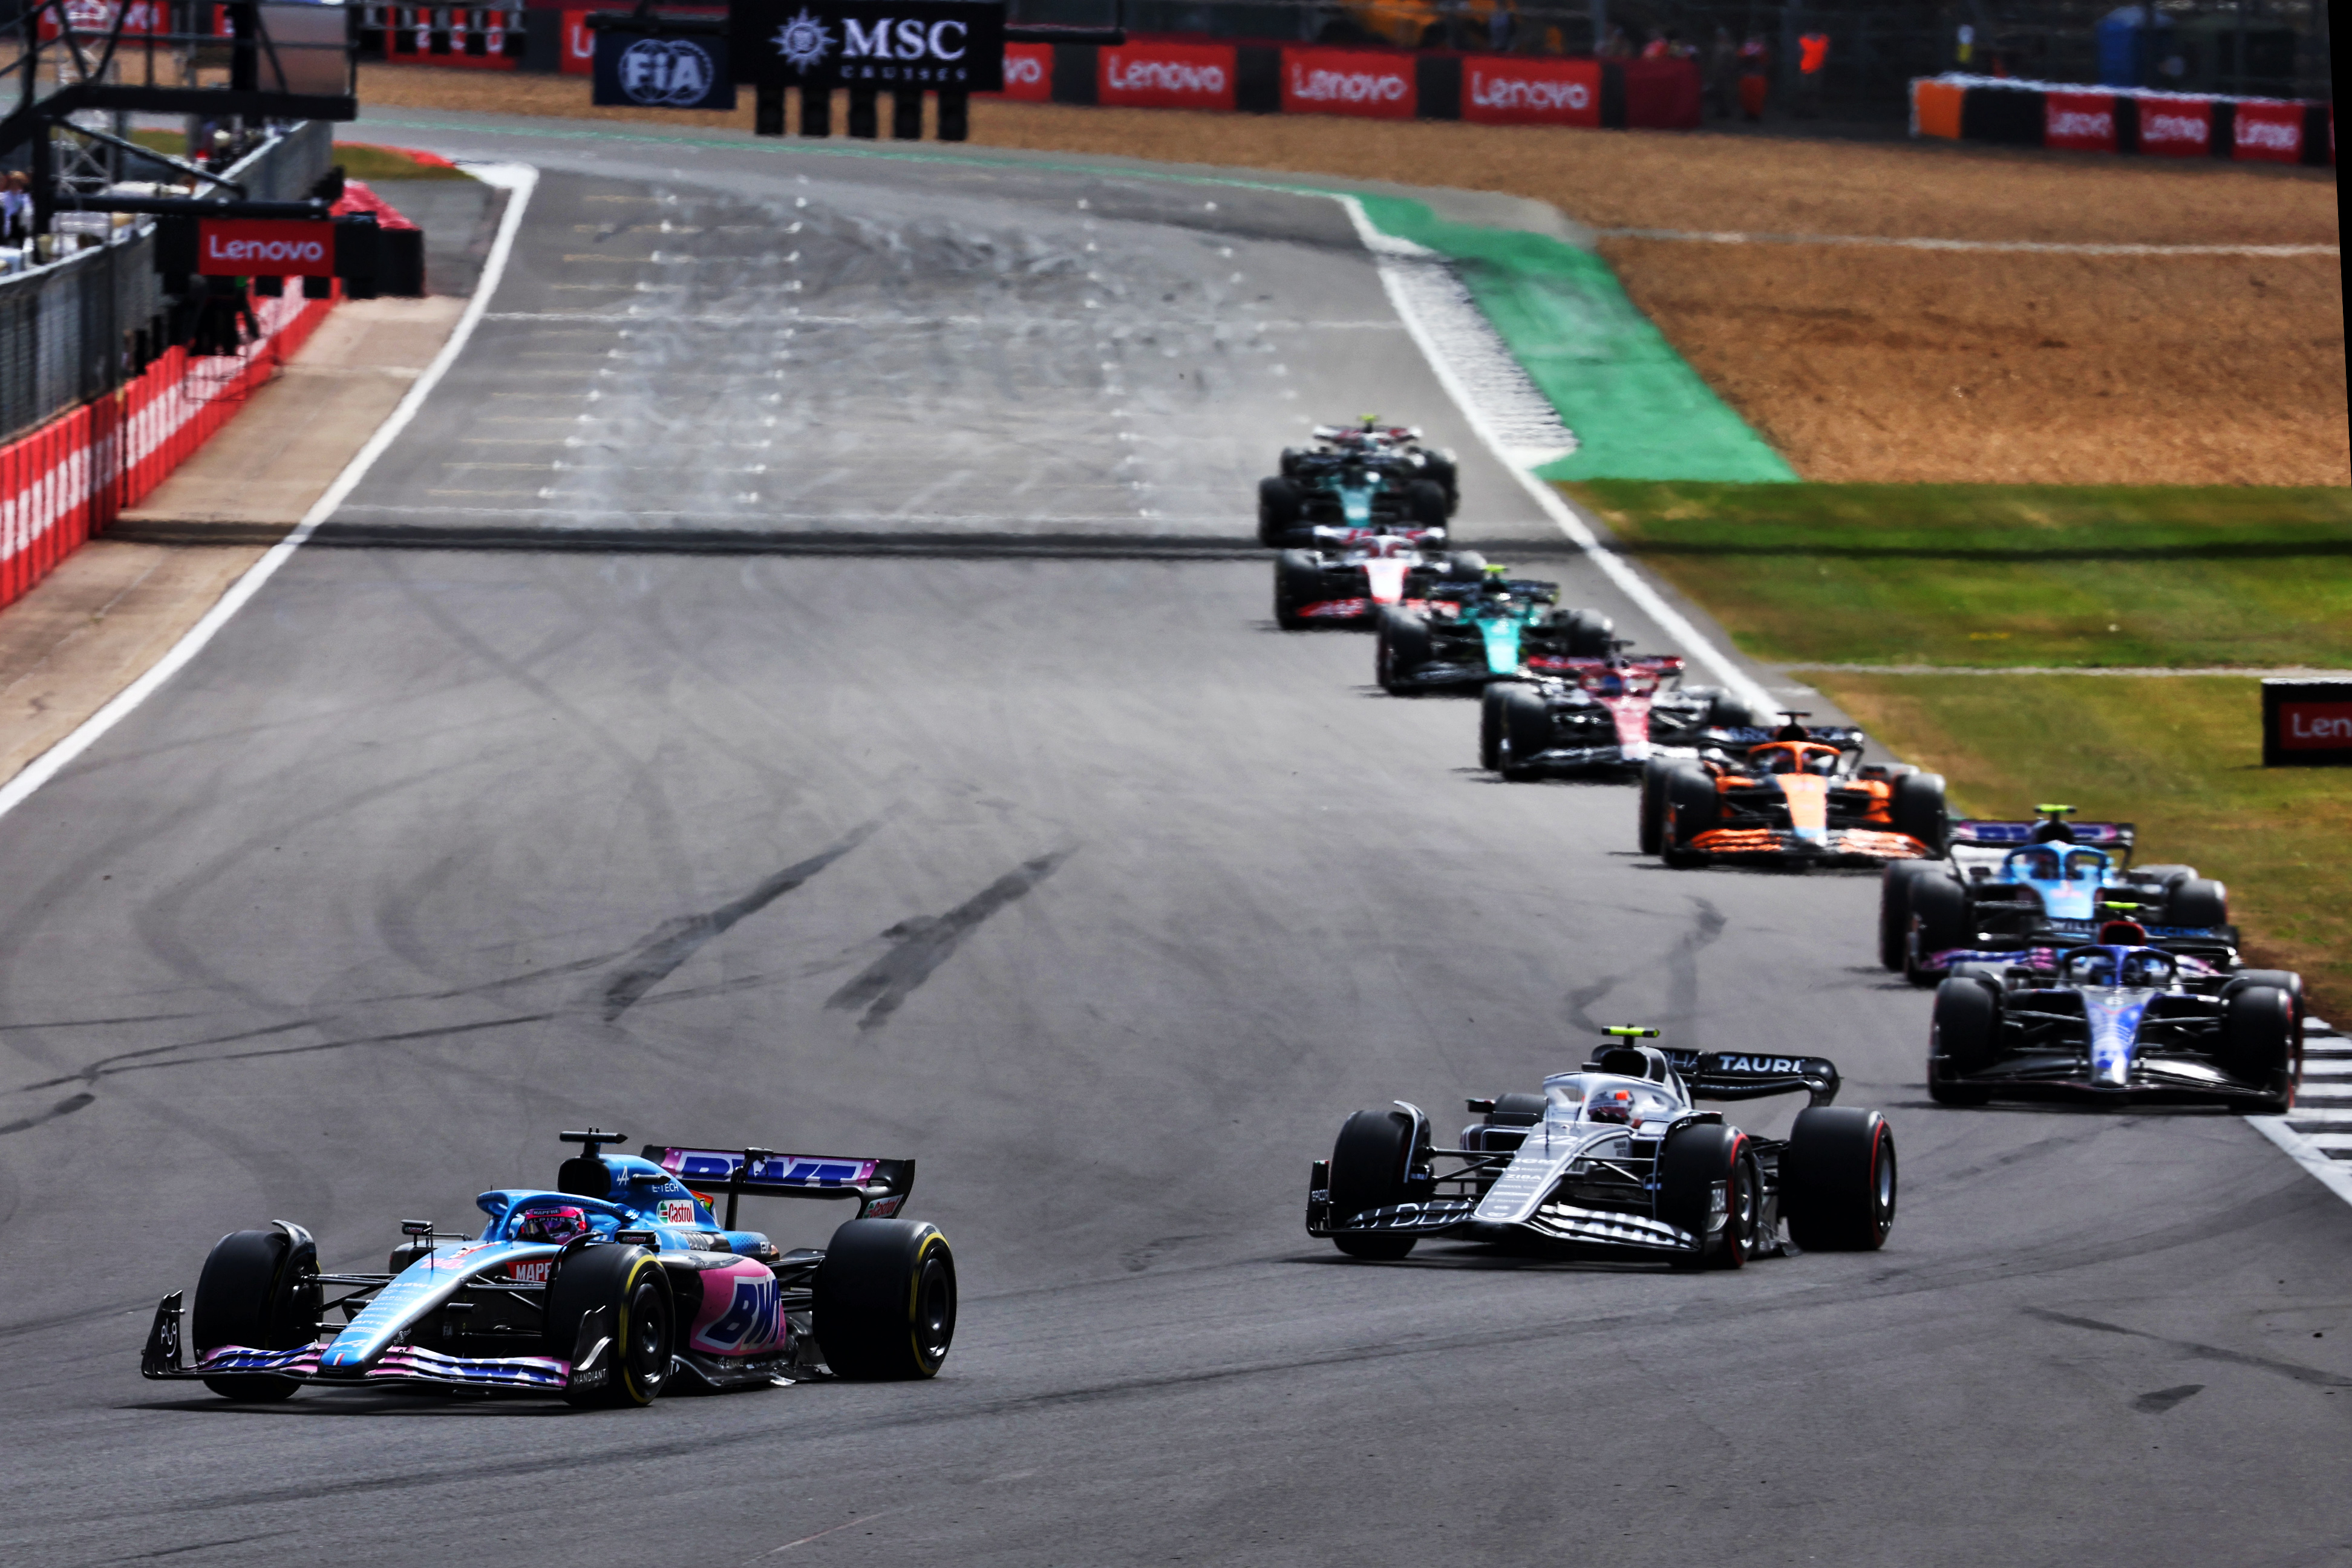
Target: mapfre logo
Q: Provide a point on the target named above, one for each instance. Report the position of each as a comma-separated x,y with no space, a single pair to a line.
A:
530,1270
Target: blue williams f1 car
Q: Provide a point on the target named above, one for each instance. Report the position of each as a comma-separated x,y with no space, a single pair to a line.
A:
1617,1160
600,1292
2118,1021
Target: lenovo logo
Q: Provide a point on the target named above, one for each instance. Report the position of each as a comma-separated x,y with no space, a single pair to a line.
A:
1508,93
1348,87
275,247
2315,726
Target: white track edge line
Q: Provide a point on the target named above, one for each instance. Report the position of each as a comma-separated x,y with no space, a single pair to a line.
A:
2336,1176
1669,620
518,180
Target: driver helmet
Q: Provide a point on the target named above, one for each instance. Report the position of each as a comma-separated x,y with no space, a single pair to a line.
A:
2122,933
1609,1105
1824,763
558,1224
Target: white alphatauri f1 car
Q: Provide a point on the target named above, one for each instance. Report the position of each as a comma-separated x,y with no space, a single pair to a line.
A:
1618,1159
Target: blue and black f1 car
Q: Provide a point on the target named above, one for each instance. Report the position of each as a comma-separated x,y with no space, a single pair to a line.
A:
2004,889
2118,1021
600,1290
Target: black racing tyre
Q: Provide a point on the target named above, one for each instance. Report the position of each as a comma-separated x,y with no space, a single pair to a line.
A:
1693,805
1919,810
2165,876
1941,920
2198,901
1589,633
407,1253
1424,503
1895,886
1726,711
885,1304
1464,566
1837,1180
1526,729
1293,458
1490,726
1297,583
2258,1042
1278,505
1519,1108
1373,1167
260,1289
628,1286
1652,829
1400,646
2286,979
1964,1038
1696,1162
1439,466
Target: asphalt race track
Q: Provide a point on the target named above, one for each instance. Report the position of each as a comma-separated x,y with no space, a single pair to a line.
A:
940,786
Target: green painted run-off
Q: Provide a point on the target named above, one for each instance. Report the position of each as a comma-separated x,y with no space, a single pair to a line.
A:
1638,409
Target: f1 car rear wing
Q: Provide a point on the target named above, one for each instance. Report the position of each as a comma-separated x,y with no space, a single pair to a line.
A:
1518,587
2010,835
1742,1075
881,1187
1845,737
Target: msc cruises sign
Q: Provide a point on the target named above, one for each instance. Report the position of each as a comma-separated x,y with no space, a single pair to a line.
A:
934,44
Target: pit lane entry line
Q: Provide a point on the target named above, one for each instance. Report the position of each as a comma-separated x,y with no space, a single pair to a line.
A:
516,180
1389,252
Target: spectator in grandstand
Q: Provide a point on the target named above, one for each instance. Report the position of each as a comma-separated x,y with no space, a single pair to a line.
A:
15,209
1813,65
1755,64
1616,45
1722,73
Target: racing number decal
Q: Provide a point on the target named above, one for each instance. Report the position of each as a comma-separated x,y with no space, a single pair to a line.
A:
750,1321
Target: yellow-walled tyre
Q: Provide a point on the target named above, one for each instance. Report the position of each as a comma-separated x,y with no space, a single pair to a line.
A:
624,1289
884,1300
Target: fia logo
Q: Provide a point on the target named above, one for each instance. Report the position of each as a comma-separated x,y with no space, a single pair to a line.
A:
671,72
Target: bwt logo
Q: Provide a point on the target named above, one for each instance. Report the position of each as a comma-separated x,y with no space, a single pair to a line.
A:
1347,87
903,40
1516,92
1165,76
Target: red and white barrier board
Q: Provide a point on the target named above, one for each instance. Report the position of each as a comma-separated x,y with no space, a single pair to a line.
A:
1500,90
73,476
1166,76
1349,81
2268,133
2080,121
2176,127
1028,73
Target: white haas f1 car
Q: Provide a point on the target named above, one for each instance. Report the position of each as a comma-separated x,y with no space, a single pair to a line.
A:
1618,1159
604,1291
1603,714
1348,574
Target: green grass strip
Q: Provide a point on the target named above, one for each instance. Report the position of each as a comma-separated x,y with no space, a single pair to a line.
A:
1639,410
2005,574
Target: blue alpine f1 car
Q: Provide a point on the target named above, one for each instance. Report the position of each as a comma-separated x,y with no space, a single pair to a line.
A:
2008,887
600,1290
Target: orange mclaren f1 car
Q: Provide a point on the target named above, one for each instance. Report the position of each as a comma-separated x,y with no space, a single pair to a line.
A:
1801,798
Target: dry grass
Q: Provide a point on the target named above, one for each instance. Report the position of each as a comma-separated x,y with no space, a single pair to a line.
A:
1858,365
